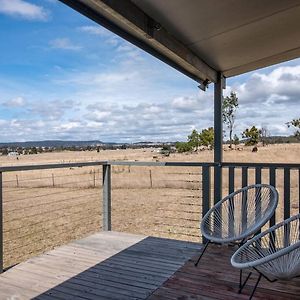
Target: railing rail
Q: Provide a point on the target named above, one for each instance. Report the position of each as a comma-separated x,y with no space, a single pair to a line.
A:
228,169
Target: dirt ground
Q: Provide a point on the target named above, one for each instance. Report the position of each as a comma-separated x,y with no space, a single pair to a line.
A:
47,208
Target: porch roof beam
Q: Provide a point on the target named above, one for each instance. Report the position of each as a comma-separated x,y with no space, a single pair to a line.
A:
127,20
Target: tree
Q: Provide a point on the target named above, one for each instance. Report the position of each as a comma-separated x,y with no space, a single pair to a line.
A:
264,133
4,151
207,137
194,139
252,134
236,140
296,124
183,147
229,107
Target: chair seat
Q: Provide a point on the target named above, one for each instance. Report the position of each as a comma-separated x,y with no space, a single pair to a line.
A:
275,252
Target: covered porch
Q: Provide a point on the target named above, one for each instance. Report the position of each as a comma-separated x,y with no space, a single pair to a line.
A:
202,42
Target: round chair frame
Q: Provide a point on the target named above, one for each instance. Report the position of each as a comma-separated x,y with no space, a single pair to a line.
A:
255,263
254,229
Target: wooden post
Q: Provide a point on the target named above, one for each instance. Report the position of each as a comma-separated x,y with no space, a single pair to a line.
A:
53,184
1,224
106,185
94,174
17,180
218,137
150,175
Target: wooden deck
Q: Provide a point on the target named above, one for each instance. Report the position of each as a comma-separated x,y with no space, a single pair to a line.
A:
106,265
111,265
215,278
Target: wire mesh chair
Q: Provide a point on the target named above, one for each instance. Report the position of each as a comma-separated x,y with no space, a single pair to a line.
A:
274,254
238,216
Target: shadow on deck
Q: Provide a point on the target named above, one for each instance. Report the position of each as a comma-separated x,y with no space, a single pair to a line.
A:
111,265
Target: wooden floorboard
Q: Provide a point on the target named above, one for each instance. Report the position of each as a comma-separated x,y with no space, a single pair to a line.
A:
215,278
120,266
106,265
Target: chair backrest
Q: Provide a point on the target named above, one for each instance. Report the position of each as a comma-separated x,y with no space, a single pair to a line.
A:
240,214
275,252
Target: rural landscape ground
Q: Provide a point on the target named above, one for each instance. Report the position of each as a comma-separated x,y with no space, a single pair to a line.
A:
47,208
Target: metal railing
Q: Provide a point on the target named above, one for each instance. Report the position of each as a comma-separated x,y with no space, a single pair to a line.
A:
235,175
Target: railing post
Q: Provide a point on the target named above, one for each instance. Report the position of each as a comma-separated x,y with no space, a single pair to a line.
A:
286,193
106,185
1,224
205,193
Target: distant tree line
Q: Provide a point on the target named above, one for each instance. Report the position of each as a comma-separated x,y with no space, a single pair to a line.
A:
252,135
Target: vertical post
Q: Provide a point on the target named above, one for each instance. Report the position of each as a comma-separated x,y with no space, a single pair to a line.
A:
1,224
231,208
94,177
53,184
106,185
272,175
205,193
17,178
150,175
286,193
218,136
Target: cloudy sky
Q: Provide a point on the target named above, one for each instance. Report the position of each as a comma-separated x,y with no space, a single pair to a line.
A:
64,77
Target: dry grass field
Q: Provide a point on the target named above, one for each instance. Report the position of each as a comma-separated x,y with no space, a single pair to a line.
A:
47,208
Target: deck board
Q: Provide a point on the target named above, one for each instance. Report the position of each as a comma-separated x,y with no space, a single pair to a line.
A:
215,278
106,265
120,266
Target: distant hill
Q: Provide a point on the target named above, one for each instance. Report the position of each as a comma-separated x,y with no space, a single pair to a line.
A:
54,144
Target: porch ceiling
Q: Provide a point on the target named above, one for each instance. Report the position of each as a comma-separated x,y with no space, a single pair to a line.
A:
203,37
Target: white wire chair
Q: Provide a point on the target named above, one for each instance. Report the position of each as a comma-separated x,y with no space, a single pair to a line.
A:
274,254
238,216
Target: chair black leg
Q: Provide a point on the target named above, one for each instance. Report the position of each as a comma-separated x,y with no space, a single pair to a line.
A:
241,285
205,246
254,289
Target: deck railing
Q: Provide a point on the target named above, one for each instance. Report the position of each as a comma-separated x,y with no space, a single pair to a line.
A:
235,175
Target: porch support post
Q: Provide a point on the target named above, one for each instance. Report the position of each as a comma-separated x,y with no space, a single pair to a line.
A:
218,136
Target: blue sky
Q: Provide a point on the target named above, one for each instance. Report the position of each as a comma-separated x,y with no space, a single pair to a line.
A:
64,77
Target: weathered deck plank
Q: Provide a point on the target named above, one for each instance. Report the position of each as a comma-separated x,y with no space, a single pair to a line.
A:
215,278
120,266
106,265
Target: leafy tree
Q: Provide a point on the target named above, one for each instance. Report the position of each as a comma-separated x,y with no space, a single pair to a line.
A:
236,140
194,139
229,107
264,133
166,148
4,151
296,124
33,150
207,137
183,147
252,134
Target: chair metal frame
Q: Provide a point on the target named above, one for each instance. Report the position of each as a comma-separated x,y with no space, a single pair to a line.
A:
268,258
248,232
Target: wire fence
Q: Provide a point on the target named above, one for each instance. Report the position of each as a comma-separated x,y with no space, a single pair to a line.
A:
43,209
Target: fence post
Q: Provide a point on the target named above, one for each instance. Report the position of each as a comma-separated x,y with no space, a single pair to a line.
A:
150,174
1,224
94,177
106,185
17,178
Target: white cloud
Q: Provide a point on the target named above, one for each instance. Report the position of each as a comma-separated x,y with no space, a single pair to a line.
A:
65,44
23,9
95,30
15,102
